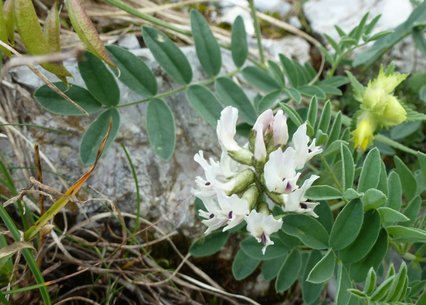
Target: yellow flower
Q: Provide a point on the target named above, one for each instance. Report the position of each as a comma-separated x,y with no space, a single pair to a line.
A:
363,134
380,108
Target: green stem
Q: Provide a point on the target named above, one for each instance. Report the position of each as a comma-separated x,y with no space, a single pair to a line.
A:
132,11
177,90
385,140
138,195
258,32
29,258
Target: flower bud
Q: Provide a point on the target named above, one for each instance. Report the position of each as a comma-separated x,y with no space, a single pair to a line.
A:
251,196
242,180
363,134
394,113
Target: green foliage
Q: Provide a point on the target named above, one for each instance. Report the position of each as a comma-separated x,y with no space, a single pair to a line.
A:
239,46
168,55
210,244
160,125
206,45
93,136
133,72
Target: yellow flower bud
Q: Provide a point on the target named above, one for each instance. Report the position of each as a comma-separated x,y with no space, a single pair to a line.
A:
387,82
383,107
394,113
363,134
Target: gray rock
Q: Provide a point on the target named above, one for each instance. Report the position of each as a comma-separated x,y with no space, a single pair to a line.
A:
165,186
323,15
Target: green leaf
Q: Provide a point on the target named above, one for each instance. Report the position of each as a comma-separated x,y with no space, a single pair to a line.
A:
309,230
270,268
383,179
409,185
260,79
357,293
370,172
335,81
351,194
239,48
417,18
133,72
168,55
254,249
276,73
311,90
390,216
93,136
323,192
403,130
373,199
269,101
330,90
206,45
380,293
324,269
422,162
365,240
325,215
311,291
231,94
395,191
55,103
99,80
347,225
373,259
292,114
160,125
419,40
335,129
294,94
324,121
357,87
396,290
290,70
370,282
243,265
343,284
311,116
348,167
406,234
289,271
412,210
209,245
205,103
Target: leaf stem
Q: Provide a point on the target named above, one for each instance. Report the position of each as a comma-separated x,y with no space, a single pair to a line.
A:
177,90
257,31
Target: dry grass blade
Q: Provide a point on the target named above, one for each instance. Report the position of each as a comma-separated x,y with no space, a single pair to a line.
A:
27,60
61,202
44,79
13,248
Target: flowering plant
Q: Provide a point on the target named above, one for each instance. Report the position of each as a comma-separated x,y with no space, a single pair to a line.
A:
250,180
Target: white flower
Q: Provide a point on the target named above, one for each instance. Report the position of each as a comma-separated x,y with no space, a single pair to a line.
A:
261,226
304,152
234,207
214,217
226,129
280,129
296,200
266,124
217,175
223,210
280,171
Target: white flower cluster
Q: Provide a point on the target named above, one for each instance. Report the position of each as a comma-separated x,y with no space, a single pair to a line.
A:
248,181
